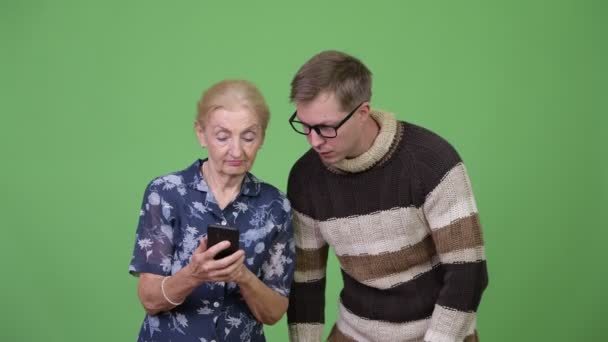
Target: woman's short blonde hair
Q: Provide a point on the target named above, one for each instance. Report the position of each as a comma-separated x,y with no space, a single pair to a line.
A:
233,95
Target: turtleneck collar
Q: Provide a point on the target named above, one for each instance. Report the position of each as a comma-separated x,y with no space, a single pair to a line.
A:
379,149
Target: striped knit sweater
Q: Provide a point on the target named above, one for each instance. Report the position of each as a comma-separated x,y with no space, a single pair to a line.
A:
403,222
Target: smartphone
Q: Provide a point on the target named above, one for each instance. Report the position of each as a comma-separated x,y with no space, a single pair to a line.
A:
217,234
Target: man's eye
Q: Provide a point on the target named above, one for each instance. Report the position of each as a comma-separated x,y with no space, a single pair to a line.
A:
302,127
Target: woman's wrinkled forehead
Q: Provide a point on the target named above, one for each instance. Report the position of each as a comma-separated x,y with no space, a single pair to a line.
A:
240,118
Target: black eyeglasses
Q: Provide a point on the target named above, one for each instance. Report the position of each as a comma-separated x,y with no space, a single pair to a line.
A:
322,130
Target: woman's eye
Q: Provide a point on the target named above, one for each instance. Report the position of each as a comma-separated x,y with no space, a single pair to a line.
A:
249,137
222,137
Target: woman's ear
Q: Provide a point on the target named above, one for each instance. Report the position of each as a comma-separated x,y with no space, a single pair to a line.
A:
200,134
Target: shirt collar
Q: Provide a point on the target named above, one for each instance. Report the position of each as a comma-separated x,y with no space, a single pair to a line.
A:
194,179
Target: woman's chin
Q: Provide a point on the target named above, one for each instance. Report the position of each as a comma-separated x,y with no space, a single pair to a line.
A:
239,170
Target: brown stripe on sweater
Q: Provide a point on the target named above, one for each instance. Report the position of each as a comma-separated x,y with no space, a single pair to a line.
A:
337,336
460,234
311,259
365,267
472,338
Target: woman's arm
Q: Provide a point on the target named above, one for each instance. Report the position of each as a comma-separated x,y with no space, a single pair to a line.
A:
267,296
177,288
267,305
202,268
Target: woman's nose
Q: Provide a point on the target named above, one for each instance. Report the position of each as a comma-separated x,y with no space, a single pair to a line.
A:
236,150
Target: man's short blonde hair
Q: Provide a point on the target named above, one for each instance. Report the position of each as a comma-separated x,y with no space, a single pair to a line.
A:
333,72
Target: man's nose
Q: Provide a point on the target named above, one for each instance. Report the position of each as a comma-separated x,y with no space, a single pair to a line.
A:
314,139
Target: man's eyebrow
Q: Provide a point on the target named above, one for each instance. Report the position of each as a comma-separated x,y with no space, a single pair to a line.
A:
322,123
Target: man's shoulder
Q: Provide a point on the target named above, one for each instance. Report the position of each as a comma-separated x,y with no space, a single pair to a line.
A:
308,162
430,155
303,177
428,147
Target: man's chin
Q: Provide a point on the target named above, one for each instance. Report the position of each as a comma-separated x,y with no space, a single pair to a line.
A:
329,159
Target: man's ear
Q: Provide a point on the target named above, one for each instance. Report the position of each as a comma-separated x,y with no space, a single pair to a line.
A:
200,134
365,111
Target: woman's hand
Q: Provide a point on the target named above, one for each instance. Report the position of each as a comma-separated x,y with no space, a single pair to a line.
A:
266,305
203,268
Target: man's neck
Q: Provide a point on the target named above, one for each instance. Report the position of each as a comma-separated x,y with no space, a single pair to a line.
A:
368,136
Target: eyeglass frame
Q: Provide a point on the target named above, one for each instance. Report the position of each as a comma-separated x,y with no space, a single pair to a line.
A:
317,128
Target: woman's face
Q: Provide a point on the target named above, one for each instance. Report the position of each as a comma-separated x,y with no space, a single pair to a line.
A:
232,139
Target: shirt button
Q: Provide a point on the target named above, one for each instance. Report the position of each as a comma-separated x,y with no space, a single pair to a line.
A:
223,222
216,304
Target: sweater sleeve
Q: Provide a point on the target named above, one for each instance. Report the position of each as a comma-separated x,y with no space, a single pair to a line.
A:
306,312
451,213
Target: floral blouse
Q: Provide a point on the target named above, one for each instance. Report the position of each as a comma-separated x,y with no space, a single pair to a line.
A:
174,216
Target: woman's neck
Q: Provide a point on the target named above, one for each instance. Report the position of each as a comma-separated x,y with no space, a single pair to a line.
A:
225,188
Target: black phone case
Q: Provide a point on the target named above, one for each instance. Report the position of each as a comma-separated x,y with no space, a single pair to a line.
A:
217,233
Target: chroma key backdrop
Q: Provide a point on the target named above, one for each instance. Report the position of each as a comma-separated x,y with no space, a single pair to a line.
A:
98,97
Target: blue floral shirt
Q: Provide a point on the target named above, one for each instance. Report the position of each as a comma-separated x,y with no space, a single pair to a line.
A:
174,216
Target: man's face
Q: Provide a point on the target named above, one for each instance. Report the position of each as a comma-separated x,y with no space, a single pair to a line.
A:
326,110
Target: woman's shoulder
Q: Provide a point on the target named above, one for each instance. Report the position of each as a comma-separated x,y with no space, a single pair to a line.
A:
176,182
269,193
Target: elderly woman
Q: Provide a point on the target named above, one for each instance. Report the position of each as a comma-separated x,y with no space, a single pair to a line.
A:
187,295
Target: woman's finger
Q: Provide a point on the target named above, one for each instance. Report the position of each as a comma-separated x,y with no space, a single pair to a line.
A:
202,246
229,270
227,261
218,247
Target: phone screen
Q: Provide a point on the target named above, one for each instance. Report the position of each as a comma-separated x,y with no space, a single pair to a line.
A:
217,234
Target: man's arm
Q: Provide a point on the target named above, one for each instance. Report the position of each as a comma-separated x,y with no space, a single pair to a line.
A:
452,215
306,312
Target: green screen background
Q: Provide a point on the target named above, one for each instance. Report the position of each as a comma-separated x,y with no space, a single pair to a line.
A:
98,97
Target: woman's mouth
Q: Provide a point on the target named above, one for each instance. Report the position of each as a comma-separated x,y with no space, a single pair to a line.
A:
235,162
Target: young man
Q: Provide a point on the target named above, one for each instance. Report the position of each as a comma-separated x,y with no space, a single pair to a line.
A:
394,201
